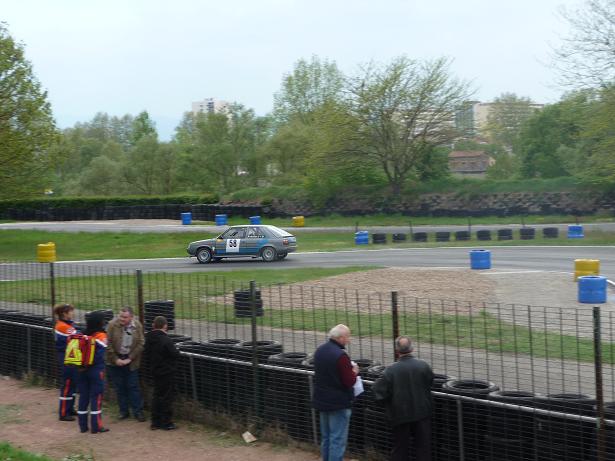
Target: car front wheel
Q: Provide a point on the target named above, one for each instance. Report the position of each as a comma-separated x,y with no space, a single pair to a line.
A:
203,255
269,254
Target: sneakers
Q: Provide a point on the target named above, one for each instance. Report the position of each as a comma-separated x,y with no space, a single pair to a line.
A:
67,418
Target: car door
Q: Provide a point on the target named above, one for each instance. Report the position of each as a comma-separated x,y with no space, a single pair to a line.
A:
230,243
254,240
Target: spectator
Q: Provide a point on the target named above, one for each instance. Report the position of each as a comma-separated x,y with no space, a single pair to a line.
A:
405,389
91,381
334,379
161,358
64,327
123,359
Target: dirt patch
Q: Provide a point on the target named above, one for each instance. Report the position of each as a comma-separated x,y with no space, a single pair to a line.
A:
28,420
365,291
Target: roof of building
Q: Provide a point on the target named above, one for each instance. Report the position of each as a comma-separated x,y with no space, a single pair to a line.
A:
467,154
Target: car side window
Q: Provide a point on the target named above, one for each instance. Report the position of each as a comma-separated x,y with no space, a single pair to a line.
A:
237,233
253,232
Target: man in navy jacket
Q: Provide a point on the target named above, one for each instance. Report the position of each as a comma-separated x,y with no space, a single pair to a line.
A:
334,379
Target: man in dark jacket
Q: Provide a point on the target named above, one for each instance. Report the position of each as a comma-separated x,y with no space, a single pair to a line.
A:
161,356
334,378
405,389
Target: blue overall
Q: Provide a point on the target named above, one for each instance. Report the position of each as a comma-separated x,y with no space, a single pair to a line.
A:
68,374
91,386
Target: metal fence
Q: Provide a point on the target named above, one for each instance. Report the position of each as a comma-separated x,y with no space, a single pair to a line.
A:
513,382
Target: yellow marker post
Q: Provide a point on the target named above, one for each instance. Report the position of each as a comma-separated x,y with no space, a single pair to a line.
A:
298,221
46,252
583,267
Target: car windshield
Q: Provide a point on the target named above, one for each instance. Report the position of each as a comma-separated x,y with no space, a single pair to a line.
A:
278,232
233,233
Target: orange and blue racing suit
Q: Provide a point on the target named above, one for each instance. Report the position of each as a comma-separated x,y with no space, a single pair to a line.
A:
68,375
91,385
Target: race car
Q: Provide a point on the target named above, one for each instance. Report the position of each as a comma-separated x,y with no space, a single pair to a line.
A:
255,241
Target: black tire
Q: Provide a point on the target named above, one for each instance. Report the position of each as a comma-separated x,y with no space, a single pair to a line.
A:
527,233
505,234
269,254
264,349
288,359
471,387
379,238
483,235
281,256
550,232
443,236
462,236
203,255
419,236
399,238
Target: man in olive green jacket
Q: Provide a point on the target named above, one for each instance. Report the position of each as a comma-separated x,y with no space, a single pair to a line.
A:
126,340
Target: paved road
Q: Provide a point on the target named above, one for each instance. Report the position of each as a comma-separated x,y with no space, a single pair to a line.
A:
162,226
514,258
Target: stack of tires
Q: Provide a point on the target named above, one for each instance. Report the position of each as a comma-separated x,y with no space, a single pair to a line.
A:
399,238
419,237
243,303
462,236
445,436
505,234
379,239
368,370
153,309
443,236
527,233
483,235
287,395
550,232
377,435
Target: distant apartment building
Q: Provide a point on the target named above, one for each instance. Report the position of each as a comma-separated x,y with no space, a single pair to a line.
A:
209,106
469,163
471,118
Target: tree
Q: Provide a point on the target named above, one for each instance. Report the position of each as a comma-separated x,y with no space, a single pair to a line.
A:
27,128
401,112
507,115
143,126
310,85
587,56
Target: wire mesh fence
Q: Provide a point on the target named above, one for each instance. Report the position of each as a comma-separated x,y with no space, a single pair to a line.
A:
513,382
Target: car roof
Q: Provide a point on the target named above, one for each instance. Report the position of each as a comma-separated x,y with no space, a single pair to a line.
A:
267,226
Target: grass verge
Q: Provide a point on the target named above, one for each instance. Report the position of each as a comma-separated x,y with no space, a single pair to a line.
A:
7,452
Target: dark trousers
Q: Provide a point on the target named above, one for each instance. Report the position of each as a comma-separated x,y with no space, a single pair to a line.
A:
91,386
126,384
162,401
68,387
420,432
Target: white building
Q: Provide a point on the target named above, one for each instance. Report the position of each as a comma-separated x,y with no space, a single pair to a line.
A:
209,106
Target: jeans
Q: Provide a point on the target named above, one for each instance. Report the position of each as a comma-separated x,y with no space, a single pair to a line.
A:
126,384
334,433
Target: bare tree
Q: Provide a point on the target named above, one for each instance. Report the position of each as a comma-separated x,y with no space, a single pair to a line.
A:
587,56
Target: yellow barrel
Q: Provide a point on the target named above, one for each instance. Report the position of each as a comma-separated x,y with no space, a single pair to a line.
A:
46,252
298,221
583,267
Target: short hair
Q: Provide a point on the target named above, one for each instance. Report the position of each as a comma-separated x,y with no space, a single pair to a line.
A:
403,345
61,309
159,322
338,331
128,309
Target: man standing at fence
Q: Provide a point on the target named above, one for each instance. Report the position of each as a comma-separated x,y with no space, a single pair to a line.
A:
126,341
334,379
161,357
405,389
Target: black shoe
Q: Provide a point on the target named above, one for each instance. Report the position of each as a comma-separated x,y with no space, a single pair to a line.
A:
101,430
140,417
124,416
169,427
84,430
154,427
72,412
67,418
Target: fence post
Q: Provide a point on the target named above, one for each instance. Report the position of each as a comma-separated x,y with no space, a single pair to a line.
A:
462,456
255,388
29,344
139,275
52,286
313,411
394,320
601,427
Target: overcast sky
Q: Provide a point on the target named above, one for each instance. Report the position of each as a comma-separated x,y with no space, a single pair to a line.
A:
131,55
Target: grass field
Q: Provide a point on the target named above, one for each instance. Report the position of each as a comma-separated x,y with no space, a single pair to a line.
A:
8,453
20,245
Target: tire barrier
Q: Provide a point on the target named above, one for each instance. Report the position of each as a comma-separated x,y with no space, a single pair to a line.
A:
561,438
397,238
177,339
361,238
483,235
419,237
473,414
443,236
163,307
379,239
106,313
505,234
376,437
527,233
609,448
462,236
480,259
287,395
586,267
592,289
510,433
575,232
243,305
550,232
244,350
445,436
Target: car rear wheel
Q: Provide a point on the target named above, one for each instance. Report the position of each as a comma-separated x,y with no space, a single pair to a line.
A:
282,256
203,255
269,254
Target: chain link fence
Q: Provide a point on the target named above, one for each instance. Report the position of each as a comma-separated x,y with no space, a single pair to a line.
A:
513,382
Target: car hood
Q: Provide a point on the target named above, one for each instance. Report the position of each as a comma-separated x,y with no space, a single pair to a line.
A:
202,242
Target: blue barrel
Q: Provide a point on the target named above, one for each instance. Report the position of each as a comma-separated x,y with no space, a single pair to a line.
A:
480,259
221,220
361,238
186,218
255,219
575,232
592,289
